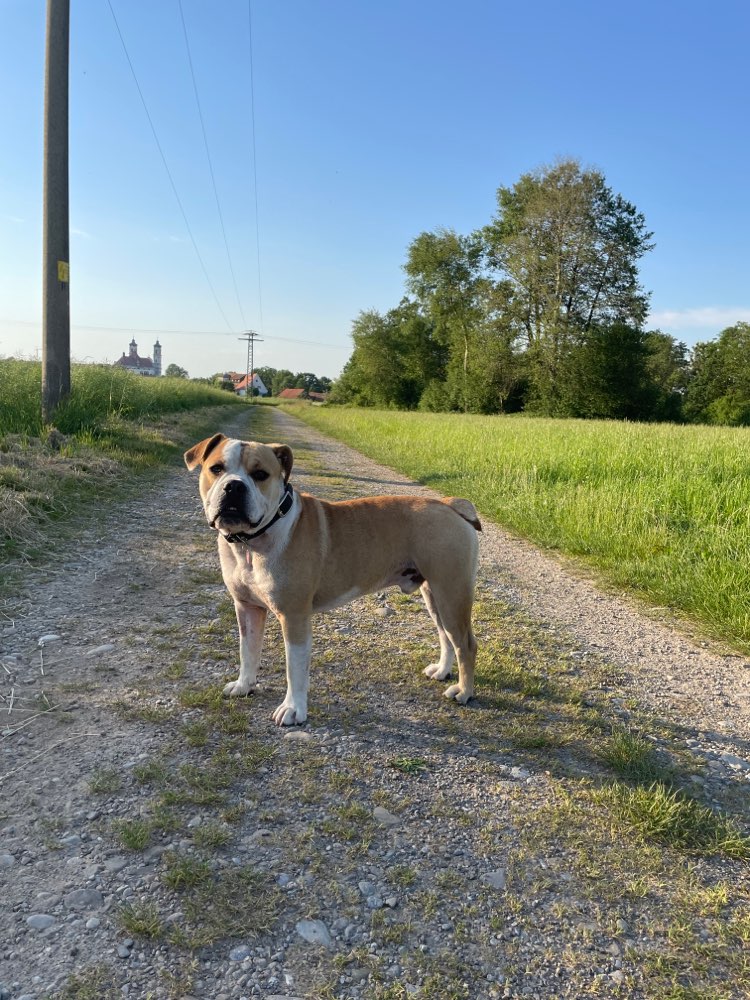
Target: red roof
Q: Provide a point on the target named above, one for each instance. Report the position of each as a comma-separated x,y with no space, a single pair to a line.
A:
291,393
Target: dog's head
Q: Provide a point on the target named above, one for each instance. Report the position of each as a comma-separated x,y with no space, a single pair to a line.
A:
241,482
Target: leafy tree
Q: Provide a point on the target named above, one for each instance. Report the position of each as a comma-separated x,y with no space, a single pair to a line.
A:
346,388
395,356
175,371
444,273
282,379
373,375
606,376
308,381
719,391
668,367
569,247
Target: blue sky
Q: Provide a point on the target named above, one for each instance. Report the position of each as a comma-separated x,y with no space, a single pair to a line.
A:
373,122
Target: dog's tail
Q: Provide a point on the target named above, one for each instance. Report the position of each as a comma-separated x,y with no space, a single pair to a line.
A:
466,509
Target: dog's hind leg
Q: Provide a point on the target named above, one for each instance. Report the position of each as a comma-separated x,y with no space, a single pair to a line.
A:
252,623
442,669
454,612
466,651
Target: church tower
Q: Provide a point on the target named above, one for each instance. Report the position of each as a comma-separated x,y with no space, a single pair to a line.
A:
157,358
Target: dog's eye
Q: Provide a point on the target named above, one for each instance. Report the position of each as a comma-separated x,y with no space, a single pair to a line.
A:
216,470
259,475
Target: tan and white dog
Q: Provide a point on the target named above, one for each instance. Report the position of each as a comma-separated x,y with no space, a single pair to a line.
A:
294,555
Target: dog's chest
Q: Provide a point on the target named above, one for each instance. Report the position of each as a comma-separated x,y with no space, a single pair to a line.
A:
251,579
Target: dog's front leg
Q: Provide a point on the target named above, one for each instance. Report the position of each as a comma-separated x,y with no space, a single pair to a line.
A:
252,623
297,645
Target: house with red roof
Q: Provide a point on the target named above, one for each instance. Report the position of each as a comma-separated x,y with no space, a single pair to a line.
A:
240,381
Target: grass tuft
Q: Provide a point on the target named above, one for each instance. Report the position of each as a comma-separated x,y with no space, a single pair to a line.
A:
211,836
105,781
95,983
670,816
183,871
631,756
408,765
134,834
141,919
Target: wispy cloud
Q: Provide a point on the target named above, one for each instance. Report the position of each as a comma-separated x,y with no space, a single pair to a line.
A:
75,231
707,317
13,218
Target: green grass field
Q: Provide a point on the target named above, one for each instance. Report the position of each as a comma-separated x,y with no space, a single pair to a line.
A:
661,509
98,394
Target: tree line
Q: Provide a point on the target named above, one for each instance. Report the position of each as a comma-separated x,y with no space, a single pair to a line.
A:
541,310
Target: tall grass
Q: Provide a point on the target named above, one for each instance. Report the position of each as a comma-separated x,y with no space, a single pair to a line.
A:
98,394
661,509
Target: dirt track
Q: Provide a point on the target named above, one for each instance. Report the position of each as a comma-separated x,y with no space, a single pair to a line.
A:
394,841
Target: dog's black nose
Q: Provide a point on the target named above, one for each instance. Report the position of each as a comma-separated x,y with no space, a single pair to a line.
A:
233,487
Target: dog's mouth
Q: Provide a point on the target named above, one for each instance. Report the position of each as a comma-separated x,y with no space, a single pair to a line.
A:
230,518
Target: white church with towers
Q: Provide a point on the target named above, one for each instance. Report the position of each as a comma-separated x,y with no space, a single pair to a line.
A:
142,366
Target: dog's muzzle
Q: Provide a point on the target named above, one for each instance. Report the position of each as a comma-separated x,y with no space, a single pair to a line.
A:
287,501
232,505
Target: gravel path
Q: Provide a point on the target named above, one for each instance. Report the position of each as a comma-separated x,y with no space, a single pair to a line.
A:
381,837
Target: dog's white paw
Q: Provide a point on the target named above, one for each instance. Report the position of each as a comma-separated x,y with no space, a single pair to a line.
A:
237,689
289,715
437,672
457,693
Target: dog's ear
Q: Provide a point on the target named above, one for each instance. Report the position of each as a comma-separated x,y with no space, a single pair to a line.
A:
197,454
284,454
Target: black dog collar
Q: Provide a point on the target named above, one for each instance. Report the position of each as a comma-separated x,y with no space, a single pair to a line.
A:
284,507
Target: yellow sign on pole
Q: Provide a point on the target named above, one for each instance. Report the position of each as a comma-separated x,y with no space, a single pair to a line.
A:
63,271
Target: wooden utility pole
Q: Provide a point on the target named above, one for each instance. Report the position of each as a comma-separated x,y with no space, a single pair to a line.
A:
56,237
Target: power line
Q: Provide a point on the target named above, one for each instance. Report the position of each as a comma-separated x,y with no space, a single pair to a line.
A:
166,166
186,333
210,164
255,158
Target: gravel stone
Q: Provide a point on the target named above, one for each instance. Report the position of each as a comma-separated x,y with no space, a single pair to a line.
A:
496,879
41,921
83,899
101,650
384,817
240,954
315,932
